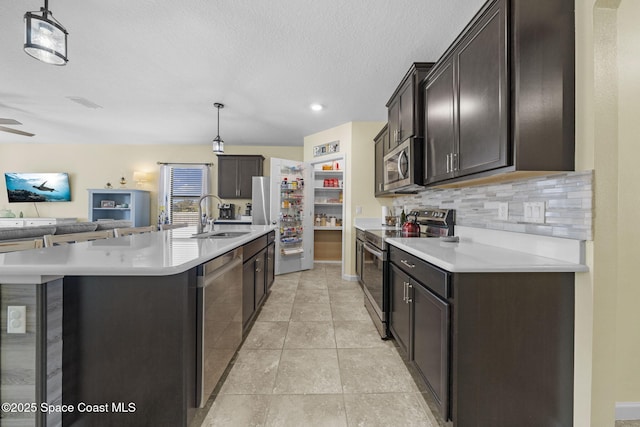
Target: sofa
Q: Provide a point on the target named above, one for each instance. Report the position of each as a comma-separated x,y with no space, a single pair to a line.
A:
29,233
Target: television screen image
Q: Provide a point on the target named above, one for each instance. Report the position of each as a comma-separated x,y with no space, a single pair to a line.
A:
38,187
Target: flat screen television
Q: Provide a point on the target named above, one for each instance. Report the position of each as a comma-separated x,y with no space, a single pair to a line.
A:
37,187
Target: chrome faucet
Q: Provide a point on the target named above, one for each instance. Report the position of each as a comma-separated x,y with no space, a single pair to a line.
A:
201,220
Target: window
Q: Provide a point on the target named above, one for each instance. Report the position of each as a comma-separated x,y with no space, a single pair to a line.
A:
180,187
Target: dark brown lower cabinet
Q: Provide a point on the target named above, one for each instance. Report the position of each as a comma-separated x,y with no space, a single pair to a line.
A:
431,343
271,259
257,275
493,349
400,310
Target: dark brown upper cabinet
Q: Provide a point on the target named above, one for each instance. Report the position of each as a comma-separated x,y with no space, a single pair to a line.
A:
501,99
405,106
235,173
381,143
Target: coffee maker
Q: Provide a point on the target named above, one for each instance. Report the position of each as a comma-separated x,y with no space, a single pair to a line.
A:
227,210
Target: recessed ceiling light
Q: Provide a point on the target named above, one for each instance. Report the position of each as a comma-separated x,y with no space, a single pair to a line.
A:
317,107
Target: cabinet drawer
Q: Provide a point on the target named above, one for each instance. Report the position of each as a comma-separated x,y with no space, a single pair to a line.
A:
35,222
271,237
253,247
6,223
428,275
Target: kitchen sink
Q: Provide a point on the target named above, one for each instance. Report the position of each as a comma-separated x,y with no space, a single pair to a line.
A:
220,234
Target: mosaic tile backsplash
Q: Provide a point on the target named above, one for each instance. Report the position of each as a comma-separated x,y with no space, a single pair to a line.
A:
568,199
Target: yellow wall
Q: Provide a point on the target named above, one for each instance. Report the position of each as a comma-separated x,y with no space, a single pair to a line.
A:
607,107
356,146
92,166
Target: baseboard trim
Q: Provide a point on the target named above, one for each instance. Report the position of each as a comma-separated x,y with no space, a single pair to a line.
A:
627,410
349,278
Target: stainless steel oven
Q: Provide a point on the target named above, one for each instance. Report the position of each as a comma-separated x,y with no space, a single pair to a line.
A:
374,272
403,167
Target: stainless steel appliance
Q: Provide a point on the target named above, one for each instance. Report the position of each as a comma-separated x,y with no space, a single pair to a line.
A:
359,248
227,210
373,260
403,167
219,325
260,200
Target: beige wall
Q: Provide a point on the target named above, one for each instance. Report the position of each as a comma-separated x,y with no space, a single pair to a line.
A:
92,166
627,312
356,146
607,318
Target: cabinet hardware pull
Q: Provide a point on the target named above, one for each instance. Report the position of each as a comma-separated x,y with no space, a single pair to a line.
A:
405,262
447,163
409,286
404,291
454,162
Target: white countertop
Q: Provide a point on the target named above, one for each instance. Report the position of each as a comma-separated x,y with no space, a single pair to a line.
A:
161,253
472,257
487,251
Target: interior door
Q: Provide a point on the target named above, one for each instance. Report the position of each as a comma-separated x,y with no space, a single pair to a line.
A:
292,207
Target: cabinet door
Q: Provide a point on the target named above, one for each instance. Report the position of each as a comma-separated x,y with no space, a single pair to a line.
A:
227,177
379,166
406,111
431,343
271,258
260,282
248,292
483,95
439,93
247,168
394,123
400,309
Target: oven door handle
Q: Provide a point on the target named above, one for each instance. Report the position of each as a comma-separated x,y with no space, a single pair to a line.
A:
378,254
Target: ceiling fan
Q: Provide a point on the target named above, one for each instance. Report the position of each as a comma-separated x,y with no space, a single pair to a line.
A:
11,130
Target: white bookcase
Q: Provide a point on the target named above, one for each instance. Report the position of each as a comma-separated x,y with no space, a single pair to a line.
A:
121,204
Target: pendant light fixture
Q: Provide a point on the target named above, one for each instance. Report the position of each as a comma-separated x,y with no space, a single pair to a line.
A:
45,38
218,143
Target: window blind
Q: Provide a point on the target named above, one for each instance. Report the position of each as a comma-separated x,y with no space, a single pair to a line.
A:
180,187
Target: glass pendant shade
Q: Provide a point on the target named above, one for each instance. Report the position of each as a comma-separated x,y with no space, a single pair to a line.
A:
218,145
45,39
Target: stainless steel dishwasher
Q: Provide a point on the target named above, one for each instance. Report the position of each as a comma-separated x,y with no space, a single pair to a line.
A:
219,319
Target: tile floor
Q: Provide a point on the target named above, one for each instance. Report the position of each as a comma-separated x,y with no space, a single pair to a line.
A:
314,358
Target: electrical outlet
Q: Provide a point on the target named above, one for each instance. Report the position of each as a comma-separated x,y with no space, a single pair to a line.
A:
534,212
503,211
16,319
358,210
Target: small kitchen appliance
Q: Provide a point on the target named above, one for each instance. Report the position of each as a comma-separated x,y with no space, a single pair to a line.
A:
227,210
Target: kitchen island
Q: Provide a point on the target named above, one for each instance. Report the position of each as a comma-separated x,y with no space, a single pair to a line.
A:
125,309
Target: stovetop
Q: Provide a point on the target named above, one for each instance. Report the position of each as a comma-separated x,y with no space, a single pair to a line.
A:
433,222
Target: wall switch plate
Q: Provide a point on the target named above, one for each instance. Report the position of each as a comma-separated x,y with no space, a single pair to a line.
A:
16,319
534,212
503,211
358,210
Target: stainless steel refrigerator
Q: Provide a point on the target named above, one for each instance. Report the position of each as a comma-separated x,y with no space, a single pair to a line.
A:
284,200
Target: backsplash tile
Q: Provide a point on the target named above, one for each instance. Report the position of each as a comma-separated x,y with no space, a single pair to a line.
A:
568,198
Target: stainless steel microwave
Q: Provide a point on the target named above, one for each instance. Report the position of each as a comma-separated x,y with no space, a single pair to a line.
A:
403,167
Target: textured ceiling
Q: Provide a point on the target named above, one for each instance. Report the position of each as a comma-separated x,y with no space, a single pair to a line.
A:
157,67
